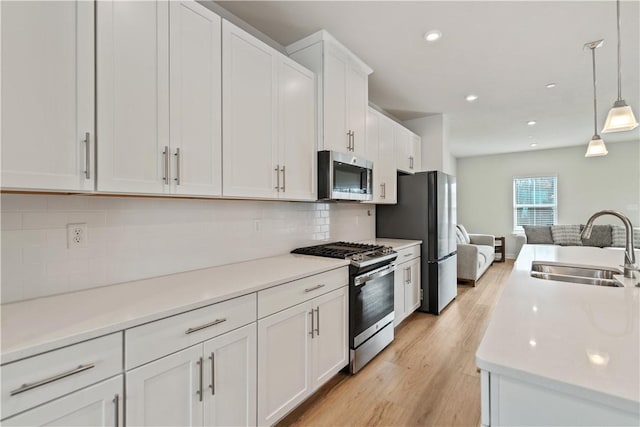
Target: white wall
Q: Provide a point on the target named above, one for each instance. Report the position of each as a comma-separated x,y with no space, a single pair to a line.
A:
434,131
485,186
133,238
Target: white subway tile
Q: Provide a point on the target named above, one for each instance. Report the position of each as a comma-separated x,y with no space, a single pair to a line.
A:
11,220
44,220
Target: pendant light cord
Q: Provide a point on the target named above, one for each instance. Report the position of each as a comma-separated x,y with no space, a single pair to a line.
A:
595,107
619,55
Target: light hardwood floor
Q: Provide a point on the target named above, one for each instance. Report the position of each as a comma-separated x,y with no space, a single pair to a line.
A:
426,377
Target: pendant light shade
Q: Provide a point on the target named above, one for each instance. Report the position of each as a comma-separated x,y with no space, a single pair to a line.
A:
596,145
620,117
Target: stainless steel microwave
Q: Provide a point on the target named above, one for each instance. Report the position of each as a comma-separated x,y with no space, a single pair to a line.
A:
344,177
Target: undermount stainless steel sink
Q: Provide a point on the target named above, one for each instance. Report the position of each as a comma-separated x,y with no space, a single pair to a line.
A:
586,275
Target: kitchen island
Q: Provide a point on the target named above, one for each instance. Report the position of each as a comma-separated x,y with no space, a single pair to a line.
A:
557,353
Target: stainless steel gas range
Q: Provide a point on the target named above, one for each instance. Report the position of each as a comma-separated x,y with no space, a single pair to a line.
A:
370,296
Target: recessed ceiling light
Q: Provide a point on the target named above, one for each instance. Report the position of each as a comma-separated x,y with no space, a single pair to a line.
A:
471,97
550,85
432,35
531,122
533,144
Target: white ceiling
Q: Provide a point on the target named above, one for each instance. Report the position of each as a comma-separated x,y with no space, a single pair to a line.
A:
503,51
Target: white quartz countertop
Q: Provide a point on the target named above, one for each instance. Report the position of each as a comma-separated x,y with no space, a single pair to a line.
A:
42,324
575,338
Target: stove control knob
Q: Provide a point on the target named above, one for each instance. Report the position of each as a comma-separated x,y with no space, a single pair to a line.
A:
387,250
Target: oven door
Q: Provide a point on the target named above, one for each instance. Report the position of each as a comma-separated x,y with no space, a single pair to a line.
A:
370,303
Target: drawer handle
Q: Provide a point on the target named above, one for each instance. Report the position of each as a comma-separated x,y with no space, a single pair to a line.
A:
407,255
207,325
27,387
314,288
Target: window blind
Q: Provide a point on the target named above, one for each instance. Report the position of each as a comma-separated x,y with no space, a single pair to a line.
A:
534,201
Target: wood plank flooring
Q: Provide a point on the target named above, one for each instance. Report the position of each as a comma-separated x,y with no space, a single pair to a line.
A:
426,377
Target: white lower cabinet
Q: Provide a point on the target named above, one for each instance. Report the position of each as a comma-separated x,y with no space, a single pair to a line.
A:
407,286
508,401
213,383
300,348
98,405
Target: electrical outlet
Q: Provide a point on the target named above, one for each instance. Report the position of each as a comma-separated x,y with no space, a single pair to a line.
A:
77,236
257,225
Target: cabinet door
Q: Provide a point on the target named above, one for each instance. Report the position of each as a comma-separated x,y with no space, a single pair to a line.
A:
415,147
167,392
98,405
399,284
133,96
196,99
47,95
249,115
335,102
283,362
331,335
412,287
230,372
373,126
401,136
357,101
386,160
297,130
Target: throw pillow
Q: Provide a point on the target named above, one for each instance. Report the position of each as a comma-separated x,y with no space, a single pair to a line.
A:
538,234
619,237
566,235
600,236
465,235
459,237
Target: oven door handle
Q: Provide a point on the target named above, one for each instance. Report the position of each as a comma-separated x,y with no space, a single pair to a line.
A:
374,274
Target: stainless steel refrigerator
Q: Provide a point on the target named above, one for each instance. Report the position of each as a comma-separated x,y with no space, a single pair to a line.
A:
426,210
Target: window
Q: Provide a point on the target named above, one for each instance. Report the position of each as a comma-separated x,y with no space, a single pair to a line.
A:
535,201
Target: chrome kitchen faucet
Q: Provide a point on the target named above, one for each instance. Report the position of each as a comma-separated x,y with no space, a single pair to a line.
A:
629,255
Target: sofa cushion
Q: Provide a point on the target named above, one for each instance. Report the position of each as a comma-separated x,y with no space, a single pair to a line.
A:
465,235
619,237
538,234
459,237
486,254
566,235
600,236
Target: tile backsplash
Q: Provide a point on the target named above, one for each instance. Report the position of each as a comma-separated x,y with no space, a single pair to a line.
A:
131,238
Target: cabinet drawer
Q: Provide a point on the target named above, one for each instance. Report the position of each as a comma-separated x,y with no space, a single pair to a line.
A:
38,379
157,339
289,294
407,254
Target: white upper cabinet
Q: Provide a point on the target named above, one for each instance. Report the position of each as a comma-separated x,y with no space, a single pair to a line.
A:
268,122
196,99
408,150
342,91
48,129
133,96
380,149
158,85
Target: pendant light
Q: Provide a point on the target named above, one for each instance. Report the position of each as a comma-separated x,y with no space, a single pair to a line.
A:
620,117
596,145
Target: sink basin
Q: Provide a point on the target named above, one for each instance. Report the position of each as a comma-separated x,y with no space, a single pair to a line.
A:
597,276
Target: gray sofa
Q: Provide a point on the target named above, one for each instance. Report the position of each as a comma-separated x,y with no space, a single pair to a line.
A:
476,253
603,236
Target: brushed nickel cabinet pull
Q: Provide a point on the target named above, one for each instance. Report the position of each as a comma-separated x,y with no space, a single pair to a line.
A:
165,153
283,179
206,325
178,177
201,380
277,169
87,155
312,322
27,386
213,373
353,140
349,141
314,288
318,321
116,403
